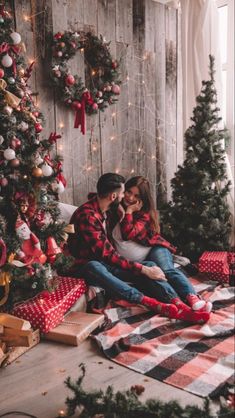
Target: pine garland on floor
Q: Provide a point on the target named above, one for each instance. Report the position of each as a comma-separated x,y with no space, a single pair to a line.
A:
125,404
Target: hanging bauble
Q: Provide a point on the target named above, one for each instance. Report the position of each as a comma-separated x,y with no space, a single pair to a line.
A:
52,249
38,127
95,106
1,20
11,80
1,139
13,120
7,61
15,163
69,80
23,126
1,73
76,105
116,89
38,159
46,170
16,38
58,187
37,172
15,142
4,182
8,110
9,154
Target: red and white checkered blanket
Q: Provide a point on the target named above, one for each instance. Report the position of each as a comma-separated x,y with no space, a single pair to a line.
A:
195,358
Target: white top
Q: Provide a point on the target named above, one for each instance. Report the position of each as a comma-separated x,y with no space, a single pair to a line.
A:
129,249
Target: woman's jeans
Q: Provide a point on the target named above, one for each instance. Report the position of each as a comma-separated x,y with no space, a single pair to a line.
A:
177,284
114,280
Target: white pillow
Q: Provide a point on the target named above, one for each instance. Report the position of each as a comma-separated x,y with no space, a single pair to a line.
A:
66,211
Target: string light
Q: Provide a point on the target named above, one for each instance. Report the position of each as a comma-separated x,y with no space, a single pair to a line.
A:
61,125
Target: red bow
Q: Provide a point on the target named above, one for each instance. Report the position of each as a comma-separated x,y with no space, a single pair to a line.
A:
5,47
53,137
60,176
80,115
47,159
28,71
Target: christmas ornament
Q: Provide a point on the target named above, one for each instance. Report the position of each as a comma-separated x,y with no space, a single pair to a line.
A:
58,187
16,38
7,61
4,182
46,170
1,73
52,249
15,143
38,127
1,139
8,110
23,126
30,248
37,172
9,154
99,65
11,80
70,80
15,163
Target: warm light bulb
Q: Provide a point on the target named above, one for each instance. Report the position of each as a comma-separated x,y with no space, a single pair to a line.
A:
128,78
82,50
94,148
112,138
132,171
113,114
61,125
129,104
93,72
26,18
117,171
89,168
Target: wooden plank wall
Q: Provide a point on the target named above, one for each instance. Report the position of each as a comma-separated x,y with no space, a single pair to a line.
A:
141,134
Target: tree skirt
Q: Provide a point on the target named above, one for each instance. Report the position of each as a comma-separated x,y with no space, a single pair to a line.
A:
195,358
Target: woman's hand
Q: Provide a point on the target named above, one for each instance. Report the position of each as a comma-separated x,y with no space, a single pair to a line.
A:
153,272
136,207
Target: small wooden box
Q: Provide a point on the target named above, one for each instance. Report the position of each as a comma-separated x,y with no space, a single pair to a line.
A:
75,328
14,352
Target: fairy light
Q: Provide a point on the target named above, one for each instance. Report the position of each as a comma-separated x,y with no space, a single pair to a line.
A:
61,125
113,114
82,50
112,138
128,78
129,104
93,72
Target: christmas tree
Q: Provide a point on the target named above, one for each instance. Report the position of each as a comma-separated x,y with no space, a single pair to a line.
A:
30,180
198,218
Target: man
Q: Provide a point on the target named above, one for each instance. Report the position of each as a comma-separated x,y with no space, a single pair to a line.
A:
96,258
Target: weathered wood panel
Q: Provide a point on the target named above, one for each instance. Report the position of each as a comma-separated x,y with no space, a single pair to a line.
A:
142,133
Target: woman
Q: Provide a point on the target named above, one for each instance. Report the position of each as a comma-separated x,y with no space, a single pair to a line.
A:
137,237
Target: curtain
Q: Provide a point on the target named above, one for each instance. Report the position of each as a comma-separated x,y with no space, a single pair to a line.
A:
200,26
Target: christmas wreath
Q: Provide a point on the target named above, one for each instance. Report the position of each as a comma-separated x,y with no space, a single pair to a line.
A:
102,78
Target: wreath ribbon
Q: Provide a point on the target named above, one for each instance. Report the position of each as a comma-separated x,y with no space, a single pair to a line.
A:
80,115
10,98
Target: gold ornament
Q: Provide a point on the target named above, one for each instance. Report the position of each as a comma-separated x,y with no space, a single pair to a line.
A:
5,279
37,172
10,98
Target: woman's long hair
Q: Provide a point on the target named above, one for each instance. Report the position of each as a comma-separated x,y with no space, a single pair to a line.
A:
145,195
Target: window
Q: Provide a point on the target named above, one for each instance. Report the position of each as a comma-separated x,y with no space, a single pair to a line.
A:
226,35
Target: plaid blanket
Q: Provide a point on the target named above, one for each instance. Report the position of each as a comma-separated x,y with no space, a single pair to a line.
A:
195,358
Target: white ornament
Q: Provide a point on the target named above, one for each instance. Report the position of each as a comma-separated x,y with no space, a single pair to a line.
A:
58,187
46,170
1,139
7,61
16,38
38,159
8,110
9,154
23,126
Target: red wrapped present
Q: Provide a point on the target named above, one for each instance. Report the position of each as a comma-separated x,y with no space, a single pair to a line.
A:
215,264
46,310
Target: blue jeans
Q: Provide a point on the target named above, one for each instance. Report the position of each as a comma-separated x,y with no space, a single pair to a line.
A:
177,284
114,280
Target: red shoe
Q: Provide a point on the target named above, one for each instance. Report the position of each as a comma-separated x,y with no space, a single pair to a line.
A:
195,302
180,304
166,309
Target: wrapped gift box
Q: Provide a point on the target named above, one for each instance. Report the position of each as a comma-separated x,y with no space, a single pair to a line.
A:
216,265
46,310
75,328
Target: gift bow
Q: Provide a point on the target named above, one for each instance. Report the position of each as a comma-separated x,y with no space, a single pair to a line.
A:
10,98
53,137
80,116
5,279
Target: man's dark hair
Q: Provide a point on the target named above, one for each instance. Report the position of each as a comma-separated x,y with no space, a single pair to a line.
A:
108,183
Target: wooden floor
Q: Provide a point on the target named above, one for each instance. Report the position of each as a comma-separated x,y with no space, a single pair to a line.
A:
34,382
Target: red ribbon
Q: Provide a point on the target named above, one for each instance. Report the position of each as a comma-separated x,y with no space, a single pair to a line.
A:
47,159
28,71
80,115
60,176
53,137
5,47
4,252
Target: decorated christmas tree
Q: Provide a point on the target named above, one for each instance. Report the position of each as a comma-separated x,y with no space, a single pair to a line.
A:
30,180
198,218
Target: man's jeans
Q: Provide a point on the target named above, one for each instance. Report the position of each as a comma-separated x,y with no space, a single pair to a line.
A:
114,280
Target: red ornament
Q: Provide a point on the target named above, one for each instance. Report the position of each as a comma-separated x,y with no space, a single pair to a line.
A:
69,80
58,35
38,127
15,143
116,89
52,249
36,114
1,73
4,182
76,105
95,106
73,45
62,44
114,64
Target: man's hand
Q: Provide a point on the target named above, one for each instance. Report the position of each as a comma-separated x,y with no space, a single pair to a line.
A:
153,272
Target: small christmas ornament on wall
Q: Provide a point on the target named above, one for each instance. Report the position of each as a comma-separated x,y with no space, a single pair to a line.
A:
101,70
